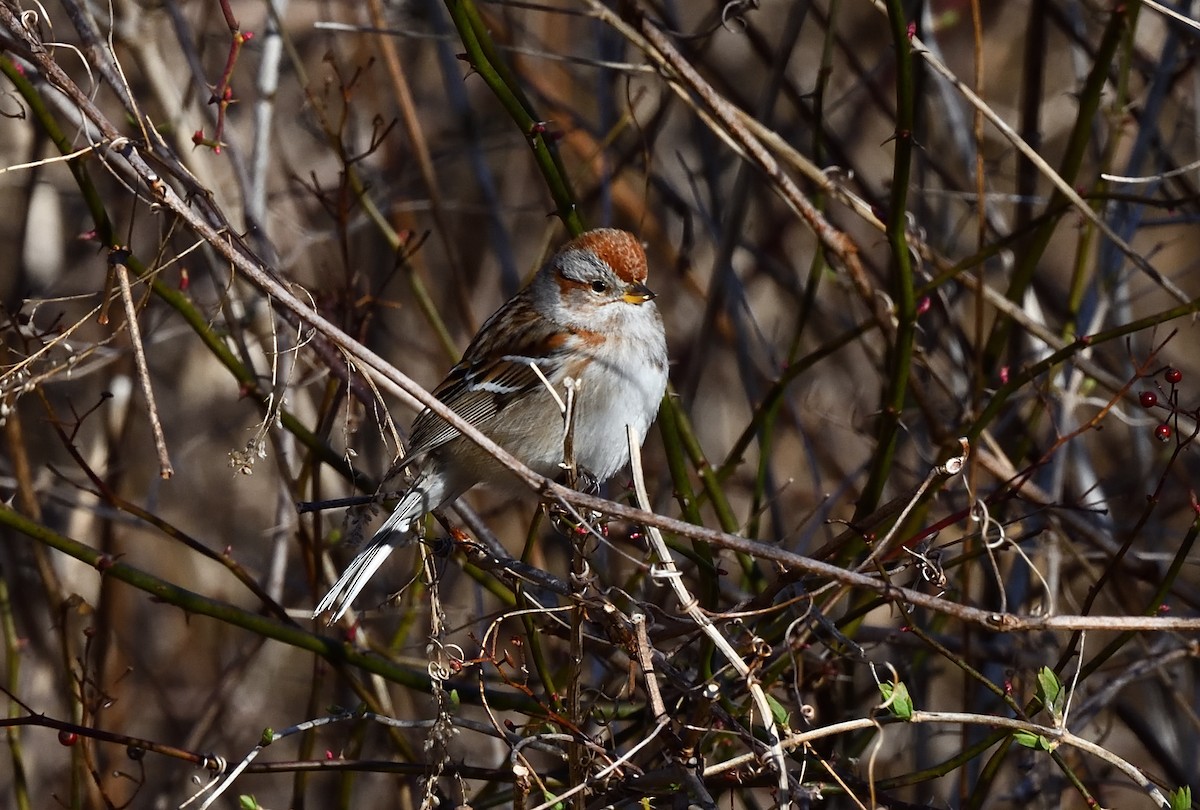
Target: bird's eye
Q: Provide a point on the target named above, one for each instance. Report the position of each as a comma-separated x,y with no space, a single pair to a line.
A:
599,286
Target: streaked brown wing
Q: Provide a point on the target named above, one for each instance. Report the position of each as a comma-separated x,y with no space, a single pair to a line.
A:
479,389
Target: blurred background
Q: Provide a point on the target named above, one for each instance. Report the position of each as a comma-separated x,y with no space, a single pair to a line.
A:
823,364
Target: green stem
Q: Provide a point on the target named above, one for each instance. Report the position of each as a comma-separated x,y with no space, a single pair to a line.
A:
1155,603
196,604
1077,145
12,652
39,113
900,352
1018,381
488,64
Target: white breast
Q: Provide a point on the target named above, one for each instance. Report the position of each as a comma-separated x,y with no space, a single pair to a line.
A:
622,386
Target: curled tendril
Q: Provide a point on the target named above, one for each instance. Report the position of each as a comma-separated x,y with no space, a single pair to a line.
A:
736,10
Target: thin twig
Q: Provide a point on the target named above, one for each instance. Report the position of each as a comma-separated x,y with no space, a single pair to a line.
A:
1061,185
689,605
117,263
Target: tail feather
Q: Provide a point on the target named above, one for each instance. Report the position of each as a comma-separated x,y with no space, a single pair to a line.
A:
362,568
399,521
429,491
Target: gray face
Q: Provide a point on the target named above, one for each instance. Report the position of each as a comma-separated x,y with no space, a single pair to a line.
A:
579,289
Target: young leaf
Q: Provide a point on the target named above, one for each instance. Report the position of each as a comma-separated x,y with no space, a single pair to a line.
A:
1051,693
778,713
1035,741
900,704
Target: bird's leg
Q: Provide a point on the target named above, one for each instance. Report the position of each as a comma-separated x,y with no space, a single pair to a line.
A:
586,481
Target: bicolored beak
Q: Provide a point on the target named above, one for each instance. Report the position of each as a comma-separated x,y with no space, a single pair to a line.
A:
637,293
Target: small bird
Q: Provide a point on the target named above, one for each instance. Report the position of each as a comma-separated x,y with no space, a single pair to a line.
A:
588,315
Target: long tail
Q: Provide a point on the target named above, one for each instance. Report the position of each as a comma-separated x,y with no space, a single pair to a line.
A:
367,561
429,491
357,574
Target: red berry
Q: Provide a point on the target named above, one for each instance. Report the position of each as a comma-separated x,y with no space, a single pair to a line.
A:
67,738
1162,433
1174,376
1148,399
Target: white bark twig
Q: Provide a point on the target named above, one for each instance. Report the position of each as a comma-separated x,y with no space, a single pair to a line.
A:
690,605
1057,736
951,468
405,389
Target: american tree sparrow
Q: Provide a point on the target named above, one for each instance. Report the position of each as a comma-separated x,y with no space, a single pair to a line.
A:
588,315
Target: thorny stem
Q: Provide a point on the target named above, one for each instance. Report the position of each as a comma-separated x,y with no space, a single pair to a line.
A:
782,415
899,356
222,94
484,60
